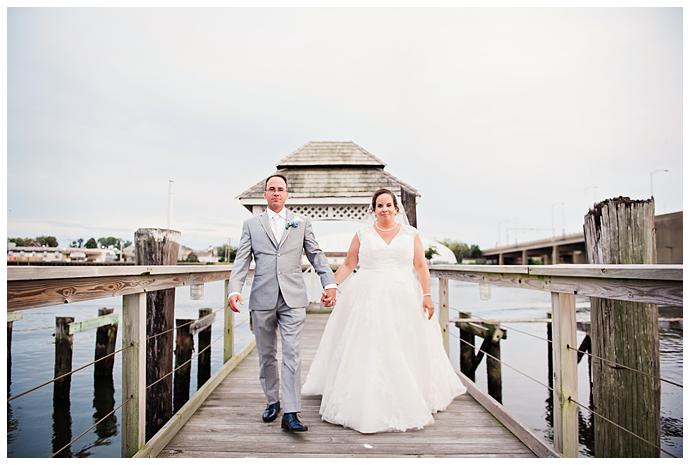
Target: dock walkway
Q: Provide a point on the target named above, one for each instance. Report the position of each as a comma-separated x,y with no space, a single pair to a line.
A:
228,424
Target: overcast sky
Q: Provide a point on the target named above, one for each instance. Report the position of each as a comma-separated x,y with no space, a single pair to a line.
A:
495,115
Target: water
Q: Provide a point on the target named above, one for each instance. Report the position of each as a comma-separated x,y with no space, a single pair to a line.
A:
36,430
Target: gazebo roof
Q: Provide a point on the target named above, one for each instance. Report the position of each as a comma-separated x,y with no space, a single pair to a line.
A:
330,153
332,181
349,182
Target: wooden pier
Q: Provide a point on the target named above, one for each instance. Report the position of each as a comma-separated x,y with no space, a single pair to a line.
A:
222,419
228,424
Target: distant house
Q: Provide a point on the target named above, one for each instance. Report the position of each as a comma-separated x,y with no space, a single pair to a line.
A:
28,255
207,255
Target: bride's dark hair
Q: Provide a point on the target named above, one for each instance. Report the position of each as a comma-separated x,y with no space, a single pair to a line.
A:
383,191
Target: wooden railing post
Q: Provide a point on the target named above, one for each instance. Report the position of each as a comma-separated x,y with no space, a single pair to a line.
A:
133,373
229,334
443,310
565,426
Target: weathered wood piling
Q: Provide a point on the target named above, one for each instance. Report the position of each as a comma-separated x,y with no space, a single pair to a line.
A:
158,247
106,337
621,231
203,371
491,334
184,346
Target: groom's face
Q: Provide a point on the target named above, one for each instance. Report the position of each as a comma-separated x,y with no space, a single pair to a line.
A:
276,194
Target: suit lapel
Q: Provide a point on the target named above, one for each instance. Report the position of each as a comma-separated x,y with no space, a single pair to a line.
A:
266,225
288,217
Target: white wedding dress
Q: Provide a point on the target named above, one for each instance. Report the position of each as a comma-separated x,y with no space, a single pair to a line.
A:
380,365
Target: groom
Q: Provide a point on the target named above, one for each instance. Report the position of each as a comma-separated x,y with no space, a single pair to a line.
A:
276,239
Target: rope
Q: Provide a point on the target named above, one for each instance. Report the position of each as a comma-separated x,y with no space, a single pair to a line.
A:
93,426
23,393
502,362
617,365
569,398
65,374
621,427
185,363
148,338
30,330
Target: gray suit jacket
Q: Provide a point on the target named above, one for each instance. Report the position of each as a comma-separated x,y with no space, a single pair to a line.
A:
278,266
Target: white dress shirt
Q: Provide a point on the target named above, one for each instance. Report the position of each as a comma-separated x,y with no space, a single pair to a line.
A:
277,222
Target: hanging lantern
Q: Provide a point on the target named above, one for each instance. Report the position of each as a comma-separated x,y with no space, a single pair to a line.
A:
196,291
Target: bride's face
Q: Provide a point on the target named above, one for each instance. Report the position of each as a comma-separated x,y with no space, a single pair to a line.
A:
385,209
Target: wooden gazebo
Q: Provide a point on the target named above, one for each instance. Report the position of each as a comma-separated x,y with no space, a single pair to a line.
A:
333,181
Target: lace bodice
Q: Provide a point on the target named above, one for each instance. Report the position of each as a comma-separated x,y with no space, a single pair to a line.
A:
374,253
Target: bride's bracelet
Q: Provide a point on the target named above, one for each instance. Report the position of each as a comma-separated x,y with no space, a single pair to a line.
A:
424,295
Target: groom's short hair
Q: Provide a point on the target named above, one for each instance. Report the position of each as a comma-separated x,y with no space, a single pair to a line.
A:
276,176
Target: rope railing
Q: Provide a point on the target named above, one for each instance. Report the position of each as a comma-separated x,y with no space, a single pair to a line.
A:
598,415
31,330
148,338
620,365
93,426
569,347
185,363
615,364
503,363
57,378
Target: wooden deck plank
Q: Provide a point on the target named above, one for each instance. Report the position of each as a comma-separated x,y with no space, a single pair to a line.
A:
228,424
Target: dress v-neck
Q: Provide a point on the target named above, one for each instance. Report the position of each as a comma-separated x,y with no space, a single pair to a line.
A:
384,241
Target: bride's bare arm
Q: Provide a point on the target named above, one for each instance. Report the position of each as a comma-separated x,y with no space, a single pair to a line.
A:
350,263
423,275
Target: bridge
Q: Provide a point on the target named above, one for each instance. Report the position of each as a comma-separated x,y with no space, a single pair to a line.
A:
570,248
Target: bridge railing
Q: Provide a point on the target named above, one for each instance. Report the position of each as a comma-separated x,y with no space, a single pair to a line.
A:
34,287
652,284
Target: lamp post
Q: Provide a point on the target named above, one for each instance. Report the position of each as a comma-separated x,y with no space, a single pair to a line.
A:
553,226
651,180
170,202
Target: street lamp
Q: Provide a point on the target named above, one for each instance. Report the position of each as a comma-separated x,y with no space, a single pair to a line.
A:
553,226
651,180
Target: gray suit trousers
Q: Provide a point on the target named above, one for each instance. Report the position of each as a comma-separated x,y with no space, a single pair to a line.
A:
265,323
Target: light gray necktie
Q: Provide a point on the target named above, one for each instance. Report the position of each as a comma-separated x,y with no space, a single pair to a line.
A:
275,228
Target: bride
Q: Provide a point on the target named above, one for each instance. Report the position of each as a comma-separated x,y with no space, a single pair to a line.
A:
380,365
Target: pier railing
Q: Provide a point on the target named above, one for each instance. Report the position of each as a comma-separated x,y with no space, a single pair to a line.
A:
653,284
34,287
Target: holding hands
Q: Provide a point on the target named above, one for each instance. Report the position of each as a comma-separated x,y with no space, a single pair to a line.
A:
328,297
233,302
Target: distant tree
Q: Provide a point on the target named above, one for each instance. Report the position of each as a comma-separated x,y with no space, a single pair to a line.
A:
127,244
91,243
224,249
459,249
192,258
19,241
108,241
80,242
430,252
28,242
48,241
462,250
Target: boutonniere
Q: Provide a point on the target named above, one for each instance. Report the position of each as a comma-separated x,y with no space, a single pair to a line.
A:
293,223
